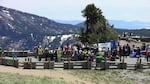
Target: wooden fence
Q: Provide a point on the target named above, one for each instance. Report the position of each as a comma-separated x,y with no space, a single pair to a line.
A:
29,64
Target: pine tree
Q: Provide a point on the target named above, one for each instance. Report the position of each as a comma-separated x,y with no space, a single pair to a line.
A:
97,27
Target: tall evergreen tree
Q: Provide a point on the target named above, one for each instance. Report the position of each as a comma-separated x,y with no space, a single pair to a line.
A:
92,15
97,27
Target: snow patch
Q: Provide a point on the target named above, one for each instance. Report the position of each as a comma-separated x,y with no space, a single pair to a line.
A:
52,38
31,35
65,37
32,17
4,37
5,11
8,14
41,24
11,26
58,36
10,17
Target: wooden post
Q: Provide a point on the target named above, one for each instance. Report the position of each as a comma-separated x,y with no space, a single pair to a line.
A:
25,59
23,52
68,64
105,61
16,64
49,65
122,66
139,65
68,54
123,59
89,63
140,60
30,61
29,65
1,60
104,65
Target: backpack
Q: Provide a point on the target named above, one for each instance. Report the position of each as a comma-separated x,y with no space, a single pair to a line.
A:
148,52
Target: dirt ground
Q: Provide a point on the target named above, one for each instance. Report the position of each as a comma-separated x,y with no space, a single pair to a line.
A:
56,74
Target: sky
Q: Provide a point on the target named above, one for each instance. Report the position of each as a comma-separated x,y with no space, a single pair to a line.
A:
127,10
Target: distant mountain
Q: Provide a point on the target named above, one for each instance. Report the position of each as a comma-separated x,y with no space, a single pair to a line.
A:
73,22
119,24
130,25
141,32
23,30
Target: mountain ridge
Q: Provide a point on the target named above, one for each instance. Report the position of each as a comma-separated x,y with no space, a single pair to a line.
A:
28,29
119,24
21,30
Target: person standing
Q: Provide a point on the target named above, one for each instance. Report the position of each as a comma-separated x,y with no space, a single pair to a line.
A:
125,51
119,52
143,47
128,49
138,54
99,57
47,54
1,50
35,51
85,54
59,55
51,54
148,53
40,52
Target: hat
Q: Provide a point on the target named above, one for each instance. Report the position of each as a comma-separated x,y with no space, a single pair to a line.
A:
40,46
46,48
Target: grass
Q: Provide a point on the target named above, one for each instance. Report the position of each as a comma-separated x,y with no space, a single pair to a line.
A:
93,76
7,78
111,76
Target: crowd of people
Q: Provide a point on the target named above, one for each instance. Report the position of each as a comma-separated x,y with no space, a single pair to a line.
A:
60,54
76,53
134,51
80,53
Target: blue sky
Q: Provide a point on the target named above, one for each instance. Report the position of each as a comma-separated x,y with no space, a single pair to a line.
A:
127,10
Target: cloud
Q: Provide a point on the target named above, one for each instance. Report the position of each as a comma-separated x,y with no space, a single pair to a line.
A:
123,3
71,9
